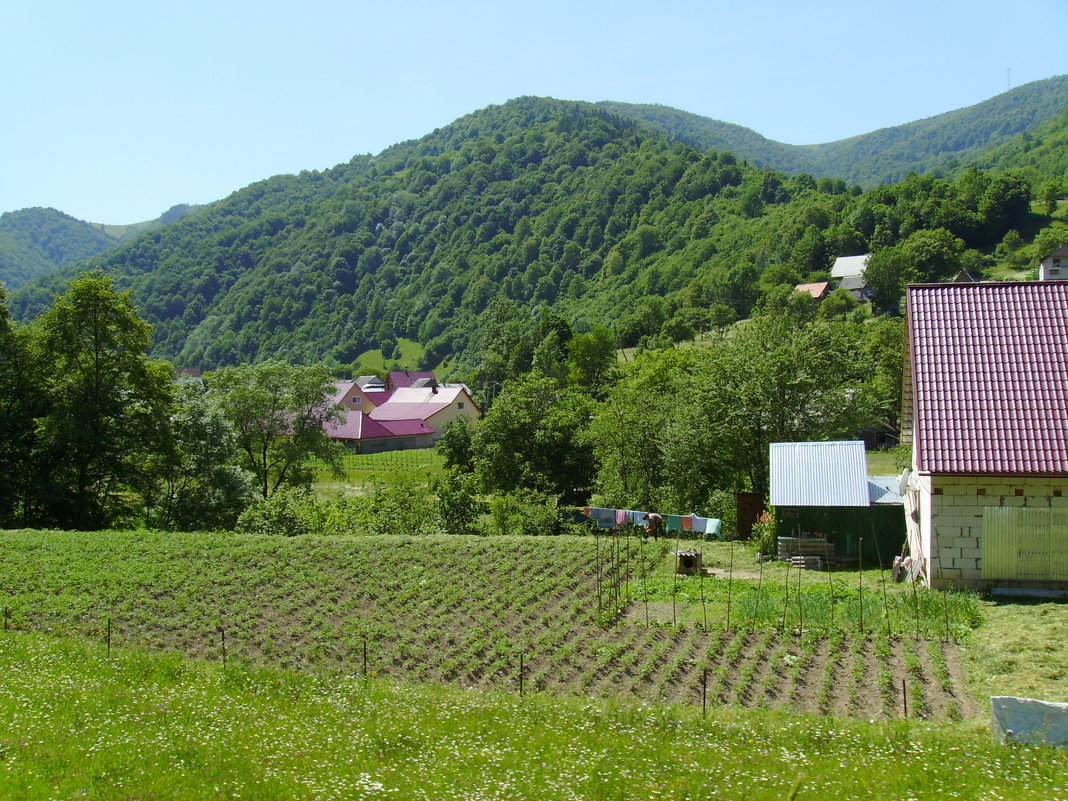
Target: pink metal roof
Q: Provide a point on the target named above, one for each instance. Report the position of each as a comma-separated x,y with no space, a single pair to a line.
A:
400,410
360,426
990,377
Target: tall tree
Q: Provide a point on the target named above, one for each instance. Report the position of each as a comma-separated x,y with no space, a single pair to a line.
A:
108,403
277,412
196,484
533,438
21,400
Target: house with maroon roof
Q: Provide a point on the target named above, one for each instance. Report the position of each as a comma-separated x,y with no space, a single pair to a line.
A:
985,408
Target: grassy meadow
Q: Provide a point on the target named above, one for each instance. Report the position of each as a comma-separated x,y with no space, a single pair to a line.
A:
76,722
363,472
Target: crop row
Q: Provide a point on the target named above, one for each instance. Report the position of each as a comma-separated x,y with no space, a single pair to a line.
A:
459,610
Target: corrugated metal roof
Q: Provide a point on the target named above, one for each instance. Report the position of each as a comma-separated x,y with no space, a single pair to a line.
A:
849,265
883,490
990,377
819,474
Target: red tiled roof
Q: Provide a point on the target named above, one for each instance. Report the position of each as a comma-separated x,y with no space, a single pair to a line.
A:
990,377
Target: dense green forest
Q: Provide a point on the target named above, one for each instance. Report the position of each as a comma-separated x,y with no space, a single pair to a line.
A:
35,242
462,236
937,145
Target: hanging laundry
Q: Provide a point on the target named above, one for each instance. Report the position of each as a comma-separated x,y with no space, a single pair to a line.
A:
674,522
622,519
636,518
698,523
687,522
604,518
712,528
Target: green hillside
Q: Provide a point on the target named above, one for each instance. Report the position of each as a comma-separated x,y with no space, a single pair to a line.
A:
455,239
35,242
937,144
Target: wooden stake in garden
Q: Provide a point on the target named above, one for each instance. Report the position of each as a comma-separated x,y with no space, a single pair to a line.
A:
109,636
886,606
860,586
645,586
520,674
7,614
730,583
704,693
945,599
800,606
904,701
222,633
916,608
785,600
364,674
760,596
597,552
882,580
704,609
830,593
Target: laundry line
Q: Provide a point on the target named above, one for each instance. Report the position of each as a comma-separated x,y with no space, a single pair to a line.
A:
709,527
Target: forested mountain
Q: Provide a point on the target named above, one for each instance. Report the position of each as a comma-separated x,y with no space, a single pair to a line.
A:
37,241
458,239
937,144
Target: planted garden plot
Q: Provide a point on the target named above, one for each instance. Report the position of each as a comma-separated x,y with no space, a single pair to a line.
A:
463,610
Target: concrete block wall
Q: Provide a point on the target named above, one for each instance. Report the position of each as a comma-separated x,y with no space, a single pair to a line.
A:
957,504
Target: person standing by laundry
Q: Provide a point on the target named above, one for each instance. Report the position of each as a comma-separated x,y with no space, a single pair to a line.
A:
654,525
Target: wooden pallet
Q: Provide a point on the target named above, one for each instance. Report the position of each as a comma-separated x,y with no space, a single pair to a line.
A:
807,552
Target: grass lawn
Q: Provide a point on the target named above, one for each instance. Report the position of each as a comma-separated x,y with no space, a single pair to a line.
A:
365,471
411,352
77,723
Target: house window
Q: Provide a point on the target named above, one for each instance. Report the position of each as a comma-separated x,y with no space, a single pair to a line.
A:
460,405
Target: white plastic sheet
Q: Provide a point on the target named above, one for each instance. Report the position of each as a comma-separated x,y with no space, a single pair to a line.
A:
1026,720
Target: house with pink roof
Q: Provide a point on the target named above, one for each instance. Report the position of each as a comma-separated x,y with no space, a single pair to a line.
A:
402,418
985,408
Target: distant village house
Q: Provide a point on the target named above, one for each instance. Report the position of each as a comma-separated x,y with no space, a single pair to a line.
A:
408,410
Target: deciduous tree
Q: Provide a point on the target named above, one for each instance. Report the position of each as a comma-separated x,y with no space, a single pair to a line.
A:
277,412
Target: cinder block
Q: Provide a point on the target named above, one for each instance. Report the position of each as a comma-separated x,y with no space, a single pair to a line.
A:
951,572
1013,500
971,553
1059,503
999,489
952,490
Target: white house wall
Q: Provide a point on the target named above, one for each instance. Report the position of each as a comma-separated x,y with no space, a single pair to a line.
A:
950,531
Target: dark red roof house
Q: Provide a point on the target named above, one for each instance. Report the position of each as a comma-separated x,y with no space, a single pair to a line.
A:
985,407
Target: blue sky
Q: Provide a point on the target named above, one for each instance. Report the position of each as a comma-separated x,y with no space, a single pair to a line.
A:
115,111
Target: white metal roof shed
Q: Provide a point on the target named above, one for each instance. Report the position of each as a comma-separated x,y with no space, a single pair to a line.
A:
819,474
